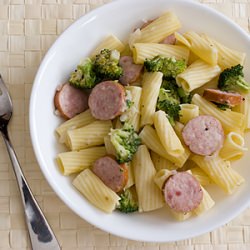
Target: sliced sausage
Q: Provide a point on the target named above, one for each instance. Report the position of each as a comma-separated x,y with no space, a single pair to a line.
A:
70,101
131,71
169,40
112,174
218,96
203,135
107,100
182,192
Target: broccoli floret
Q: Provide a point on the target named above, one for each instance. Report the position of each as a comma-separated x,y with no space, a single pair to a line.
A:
223,107
83,77
128,202
185,97
171,85
170,67
125,141
106,65
232,79
168,103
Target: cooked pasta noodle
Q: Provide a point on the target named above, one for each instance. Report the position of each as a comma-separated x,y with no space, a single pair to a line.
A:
151,84
220,172
196,75
96,191
141,51
234,147
149,195
76,161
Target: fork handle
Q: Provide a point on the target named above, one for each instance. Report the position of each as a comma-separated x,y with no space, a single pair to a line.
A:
41,235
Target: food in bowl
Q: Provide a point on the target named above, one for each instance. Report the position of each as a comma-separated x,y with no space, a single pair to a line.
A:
153,134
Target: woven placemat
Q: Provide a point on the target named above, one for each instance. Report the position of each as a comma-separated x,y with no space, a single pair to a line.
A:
27,29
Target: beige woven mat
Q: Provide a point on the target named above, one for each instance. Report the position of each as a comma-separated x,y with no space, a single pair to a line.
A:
27,29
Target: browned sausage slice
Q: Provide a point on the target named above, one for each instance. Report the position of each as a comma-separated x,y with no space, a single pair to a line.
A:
107,100
218,96
70,101
131,71
112,174
203,135
182,192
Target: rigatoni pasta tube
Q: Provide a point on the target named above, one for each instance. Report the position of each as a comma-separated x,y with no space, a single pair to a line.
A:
109,146
151,84
201,176
244,108
110,42
202,48
161,163
76,161
149,195
196,75
227,57
161,177
96,191
167,135
77,121
230,120
150,138
233,147
132,115
188,112
141,51
206,203
88,136
160,28
220,172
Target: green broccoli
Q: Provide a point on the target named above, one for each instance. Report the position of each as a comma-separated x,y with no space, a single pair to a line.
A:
128,202
168,103
106,65
185,97
232,79
171,85
126,141
170,67
83,77
223,107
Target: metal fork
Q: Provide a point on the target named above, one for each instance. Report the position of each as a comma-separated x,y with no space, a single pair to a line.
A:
41,235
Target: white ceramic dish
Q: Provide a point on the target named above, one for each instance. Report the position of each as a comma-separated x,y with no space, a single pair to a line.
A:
119,18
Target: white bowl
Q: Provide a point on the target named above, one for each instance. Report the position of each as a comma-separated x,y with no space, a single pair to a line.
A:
119,18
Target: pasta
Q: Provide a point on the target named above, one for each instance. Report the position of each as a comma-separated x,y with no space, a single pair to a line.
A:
87,136
141,51
149,196
151,140
110,42
234,147
132,115
160,28
96,191
230,120
76,161
78,121
188,112
151,85
167,135
161,163
220,172
202,48
196,75
227,57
